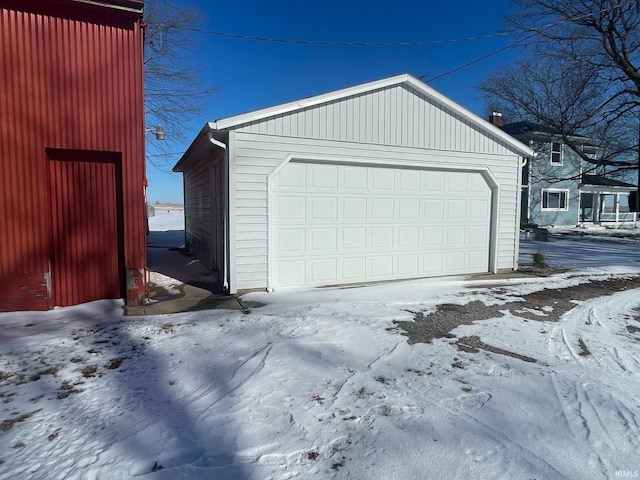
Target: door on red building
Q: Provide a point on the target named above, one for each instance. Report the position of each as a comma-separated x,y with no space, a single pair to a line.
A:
86,244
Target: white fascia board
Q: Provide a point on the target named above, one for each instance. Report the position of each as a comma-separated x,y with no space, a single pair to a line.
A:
244,118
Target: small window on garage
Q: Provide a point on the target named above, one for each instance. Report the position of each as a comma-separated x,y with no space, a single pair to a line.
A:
554,199
556,153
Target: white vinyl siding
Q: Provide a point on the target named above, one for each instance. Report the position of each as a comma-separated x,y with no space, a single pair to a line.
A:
398,115
255,155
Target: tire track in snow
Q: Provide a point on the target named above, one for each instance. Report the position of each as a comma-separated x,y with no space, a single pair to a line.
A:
605,421
366,369
253,365
503,440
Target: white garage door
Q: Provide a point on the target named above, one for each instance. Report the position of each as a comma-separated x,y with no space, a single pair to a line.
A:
334,224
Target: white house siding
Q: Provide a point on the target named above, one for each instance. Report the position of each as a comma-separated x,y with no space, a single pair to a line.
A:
255,156
397,115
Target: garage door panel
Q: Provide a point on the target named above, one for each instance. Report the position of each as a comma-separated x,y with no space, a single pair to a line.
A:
457,182
354,179
456,209
347,223
454,235
324,270
381,238
432,237
323,208
454,262
290,272
354,208
322,177
291,208
432,263
408,181
476,261
382,180
477,235
407,238
479,210
290,240
354,239
408,209
433,210
353,269
432,182
381,209
408,265
382,267
323,240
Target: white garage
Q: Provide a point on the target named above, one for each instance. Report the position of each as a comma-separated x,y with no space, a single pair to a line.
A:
383,181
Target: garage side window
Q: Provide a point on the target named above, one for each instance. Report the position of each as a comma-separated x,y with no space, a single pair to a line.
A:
553,199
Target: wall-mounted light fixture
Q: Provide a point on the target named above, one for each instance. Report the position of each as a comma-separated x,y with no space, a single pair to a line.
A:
157,131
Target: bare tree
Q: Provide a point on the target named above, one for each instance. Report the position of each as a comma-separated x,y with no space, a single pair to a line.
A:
581,75
173,90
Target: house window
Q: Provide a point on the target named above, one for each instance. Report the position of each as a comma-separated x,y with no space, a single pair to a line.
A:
556,153
555,199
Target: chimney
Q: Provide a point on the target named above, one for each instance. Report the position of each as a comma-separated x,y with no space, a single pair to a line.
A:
496,119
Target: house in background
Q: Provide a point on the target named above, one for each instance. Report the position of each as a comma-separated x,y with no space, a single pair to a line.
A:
382,181
559,188
72,210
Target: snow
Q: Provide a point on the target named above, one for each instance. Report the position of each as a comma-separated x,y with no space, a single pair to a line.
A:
321,383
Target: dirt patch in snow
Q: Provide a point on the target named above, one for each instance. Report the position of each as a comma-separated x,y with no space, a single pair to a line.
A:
535,306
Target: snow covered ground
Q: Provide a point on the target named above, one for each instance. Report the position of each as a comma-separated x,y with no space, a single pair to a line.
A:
321,383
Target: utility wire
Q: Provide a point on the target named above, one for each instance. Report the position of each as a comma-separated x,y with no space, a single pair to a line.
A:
539,30
344,44
478,60
375,44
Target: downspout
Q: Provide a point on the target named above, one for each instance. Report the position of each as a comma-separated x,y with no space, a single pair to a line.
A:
225,272
522,164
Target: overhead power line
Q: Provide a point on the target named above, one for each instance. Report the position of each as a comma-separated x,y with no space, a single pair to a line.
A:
346,44
415,43
532,33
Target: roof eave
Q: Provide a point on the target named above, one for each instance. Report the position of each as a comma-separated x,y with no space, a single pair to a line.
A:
184,159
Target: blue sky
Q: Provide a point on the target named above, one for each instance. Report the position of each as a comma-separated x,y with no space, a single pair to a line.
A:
252,74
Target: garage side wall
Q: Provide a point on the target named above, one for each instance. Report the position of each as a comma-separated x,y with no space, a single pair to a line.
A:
204,219
256,156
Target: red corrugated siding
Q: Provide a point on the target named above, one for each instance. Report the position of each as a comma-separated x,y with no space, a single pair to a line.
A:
67,84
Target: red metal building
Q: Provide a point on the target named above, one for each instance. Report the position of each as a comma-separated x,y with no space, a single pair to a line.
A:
72,176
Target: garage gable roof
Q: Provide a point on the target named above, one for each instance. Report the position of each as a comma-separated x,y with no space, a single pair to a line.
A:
233,122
